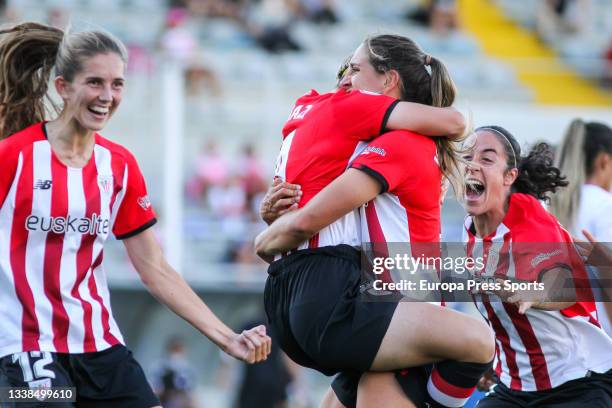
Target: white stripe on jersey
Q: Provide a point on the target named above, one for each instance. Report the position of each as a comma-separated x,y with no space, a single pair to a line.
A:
72,243
35,258
10,329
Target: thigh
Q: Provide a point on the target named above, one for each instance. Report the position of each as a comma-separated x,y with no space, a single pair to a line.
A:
345,387
385,390
422,333
31,370
111,377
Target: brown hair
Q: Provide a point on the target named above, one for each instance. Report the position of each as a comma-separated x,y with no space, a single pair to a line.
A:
423,79
28,53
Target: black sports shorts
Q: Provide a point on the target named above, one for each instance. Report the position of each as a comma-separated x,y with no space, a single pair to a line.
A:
312,300
592,391
108,378
412,381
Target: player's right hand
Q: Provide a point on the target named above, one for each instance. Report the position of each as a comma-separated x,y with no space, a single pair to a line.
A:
280,198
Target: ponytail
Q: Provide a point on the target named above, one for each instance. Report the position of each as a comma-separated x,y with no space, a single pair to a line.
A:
570,160
581,146
27,56
537,176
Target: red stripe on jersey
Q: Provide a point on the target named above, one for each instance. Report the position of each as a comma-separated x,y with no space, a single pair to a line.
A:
377,238
314,241
539,368
53,255
19,241
449,389
108,336
85,252
503,265
504,339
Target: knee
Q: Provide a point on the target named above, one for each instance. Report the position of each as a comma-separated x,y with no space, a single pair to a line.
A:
482,341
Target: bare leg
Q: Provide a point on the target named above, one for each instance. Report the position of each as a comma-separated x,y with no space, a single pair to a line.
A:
330,400
381,390
422,333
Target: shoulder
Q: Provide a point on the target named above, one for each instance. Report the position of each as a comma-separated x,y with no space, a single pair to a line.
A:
118,151
530,222
14,144
406,143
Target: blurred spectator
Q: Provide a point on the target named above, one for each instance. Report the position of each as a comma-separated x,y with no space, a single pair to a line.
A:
57,17
251,172
439,15
320,11
227,200
211,168
177,41
272,383
607,73
557,19
174,376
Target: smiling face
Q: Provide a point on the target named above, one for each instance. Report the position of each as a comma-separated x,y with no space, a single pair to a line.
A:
488,180
362,75
95,93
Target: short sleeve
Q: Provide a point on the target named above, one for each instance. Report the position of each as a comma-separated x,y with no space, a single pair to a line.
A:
135,213
386,157
546,250
363,115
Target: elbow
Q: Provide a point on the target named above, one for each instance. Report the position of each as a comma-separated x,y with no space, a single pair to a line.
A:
302,227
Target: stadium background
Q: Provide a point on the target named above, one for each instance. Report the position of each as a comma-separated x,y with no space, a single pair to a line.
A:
211,81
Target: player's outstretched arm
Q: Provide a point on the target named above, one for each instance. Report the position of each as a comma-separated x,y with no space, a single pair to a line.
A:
171,289
427,120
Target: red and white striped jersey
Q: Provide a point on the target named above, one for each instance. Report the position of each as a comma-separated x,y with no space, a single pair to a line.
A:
407,212
321,136
540,349
54,221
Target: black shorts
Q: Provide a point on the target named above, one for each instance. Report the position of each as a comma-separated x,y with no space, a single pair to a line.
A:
108,378
593,391
412,381
312,300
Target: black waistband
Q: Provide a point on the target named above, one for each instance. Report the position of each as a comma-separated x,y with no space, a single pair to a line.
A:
338,251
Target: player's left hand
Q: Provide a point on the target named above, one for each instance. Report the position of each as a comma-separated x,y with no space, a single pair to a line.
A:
523,299
593,252
250,346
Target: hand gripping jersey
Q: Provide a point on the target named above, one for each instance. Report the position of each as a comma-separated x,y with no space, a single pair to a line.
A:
405,217
54,221
321,136
540,349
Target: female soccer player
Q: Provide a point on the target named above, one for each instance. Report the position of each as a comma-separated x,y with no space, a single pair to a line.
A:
312,295
550,349
63,190
585,158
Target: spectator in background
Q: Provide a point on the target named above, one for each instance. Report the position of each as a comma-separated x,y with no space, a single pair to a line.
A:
320,11
174,376
438,15
177,41
557,19
250,171
585,158
211,169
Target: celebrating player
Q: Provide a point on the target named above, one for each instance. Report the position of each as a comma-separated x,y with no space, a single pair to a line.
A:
312,294
63,190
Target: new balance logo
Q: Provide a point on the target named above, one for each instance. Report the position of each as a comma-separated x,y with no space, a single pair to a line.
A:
42,184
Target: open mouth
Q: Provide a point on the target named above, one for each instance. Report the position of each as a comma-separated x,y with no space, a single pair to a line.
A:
98,111
474,189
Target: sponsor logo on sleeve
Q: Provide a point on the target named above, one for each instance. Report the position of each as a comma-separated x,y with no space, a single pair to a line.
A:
144,202
377,150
